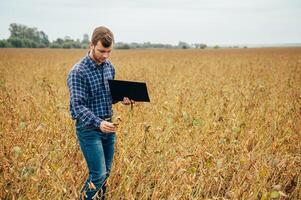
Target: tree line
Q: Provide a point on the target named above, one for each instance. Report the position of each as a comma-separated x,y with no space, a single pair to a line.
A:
22,36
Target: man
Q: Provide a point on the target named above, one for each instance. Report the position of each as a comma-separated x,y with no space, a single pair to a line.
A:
91,107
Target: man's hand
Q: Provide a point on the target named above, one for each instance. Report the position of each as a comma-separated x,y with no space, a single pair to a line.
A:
127,101
107,127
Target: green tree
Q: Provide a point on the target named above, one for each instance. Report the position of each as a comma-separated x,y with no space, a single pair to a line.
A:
183,45
58,43
23,36
44,39
16,42
85,41
203,46
121,45
4,44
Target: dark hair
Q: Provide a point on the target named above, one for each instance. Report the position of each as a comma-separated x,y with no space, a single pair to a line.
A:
104,35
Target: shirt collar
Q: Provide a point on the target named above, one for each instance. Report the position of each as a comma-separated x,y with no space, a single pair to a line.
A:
94,64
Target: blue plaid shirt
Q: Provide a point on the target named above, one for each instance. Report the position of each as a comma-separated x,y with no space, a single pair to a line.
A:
90,97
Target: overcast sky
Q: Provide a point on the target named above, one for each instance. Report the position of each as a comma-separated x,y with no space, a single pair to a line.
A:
162,21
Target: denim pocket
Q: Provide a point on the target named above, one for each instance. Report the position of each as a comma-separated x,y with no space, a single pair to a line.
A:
89,137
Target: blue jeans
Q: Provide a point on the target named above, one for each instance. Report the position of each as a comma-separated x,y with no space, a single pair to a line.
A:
98,150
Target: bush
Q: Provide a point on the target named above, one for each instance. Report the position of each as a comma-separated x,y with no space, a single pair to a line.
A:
16,42
4,44
121,45
55,45
84,46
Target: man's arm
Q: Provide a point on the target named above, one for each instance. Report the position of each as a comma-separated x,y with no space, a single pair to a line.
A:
78,88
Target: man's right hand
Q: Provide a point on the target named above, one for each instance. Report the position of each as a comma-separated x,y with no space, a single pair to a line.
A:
107,127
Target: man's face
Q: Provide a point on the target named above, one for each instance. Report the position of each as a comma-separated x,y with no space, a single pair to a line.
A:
100,53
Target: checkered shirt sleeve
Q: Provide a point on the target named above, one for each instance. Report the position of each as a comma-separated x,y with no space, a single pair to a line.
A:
79,94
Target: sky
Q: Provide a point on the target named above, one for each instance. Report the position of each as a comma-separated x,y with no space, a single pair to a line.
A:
213,22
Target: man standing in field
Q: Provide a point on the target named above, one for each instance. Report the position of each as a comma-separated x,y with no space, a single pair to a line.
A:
91,107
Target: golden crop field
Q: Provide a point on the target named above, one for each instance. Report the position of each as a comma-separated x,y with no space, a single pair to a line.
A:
222,124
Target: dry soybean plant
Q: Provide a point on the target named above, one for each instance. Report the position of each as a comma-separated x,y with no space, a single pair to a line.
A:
222,124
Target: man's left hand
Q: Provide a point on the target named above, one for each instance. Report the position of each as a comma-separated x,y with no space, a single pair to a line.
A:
127,101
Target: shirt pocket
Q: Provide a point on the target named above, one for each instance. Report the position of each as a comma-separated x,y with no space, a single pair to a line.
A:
96,88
